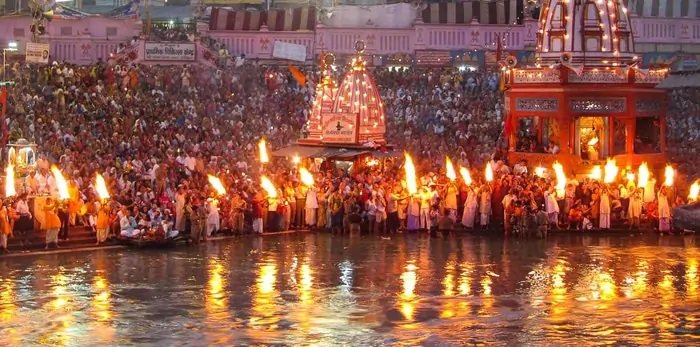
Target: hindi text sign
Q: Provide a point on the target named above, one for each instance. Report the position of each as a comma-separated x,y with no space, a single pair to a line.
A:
170,51
339,128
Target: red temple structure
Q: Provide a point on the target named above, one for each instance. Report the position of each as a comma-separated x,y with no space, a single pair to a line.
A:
586,100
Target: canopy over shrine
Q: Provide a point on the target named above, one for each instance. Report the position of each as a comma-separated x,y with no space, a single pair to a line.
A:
586,99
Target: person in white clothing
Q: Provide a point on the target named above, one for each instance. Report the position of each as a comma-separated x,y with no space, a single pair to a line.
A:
213,218
470,205
552,207
635,208
664,211
311,206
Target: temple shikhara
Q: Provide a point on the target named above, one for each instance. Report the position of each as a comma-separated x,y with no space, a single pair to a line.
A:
586,99
346,120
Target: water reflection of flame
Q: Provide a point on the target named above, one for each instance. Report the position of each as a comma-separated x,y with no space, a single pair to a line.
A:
102,302
216,299
448,281
7,301
691,278
305,284
465,281
409,280
265,293
60,311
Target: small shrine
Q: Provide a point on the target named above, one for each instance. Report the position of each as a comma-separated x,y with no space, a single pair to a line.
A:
347,121
351,114
586,99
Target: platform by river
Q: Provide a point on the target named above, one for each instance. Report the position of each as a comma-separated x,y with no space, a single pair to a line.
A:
317,289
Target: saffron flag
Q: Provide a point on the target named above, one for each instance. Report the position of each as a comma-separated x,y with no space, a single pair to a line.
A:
298,75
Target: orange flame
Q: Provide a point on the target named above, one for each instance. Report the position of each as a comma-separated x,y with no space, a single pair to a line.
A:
216,184
561,179
450,169
410,169
61,183
539,171
669,173
593,141
307,178
267,185
101,187
466,176
596,173
10,181
694,191
611,171
488,174
643,176
262,148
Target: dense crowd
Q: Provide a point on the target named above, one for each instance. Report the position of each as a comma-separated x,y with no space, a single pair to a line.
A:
156,132
683,128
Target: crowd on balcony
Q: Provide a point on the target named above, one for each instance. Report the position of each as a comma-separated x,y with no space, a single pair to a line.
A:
170,32
155,132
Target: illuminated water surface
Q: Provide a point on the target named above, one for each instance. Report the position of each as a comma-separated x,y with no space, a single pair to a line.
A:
322,290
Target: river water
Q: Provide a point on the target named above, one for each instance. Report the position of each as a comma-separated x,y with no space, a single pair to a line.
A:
316,289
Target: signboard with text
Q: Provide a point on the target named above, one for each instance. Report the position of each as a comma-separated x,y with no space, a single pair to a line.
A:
339,127
291,51
37,53
170,51
433,58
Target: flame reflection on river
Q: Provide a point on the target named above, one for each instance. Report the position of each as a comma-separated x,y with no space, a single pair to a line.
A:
325,290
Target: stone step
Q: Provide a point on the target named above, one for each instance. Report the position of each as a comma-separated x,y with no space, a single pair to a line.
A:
77,236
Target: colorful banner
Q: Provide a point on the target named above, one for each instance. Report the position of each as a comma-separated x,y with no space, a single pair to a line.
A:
170,51
37,53
339,128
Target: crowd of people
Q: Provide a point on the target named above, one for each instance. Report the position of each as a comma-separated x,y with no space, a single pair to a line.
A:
156,132
683,128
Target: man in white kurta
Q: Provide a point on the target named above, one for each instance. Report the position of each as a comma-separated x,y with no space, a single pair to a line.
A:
311,206
485,205
451,201
664,211
213,218
180,209
635,208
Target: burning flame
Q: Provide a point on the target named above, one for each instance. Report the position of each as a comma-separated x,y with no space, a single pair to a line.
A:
561,179
593,141
450,169
465,175
596,173
266,184
101,187
262,148
611,171
307,178
669,173
488,174
630,176
216,184
10,181
539,171
61,183
694,191
296,160
411,183
643,176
